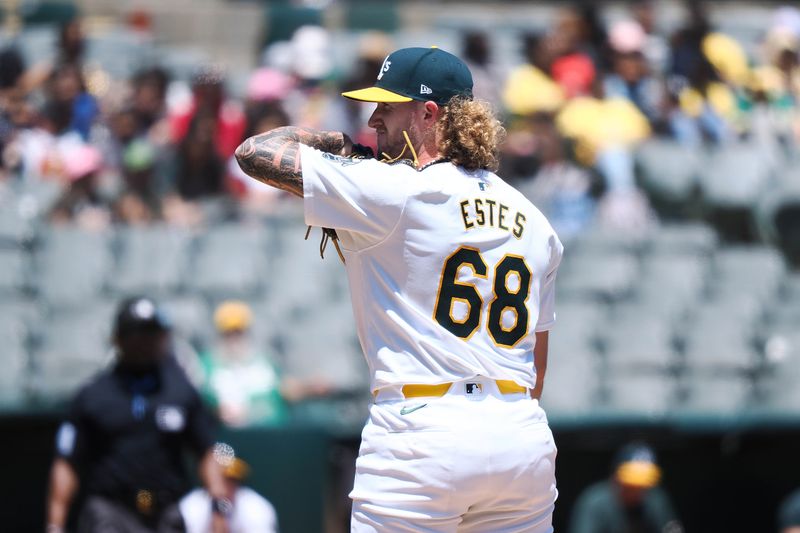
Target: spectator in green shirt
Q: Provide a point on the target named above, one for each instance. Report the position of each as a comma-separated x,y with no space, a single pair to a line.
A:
630,501
241,382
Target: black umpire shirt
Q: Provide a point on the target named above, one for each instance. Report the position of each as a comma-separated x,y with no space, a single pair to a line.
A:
126,433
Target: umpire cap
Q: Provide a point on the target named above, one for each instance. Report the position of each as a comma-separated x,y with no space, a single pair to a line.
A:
139,314
418,74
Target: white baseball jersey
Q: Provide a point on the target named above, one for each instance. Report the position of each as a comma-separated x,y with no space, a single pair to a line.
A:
450,272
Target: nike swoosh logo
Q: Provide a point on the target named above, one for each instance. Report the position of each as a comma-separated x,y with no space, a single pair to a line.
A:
409,410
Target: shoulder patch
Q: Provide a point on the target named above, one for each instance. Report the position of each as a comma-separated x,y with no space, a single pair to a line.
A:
170,418
344,161
65,439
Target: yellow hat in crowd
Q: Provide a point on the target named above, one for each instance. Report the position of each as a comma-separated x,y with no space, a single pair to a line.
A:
232,466
727,56
529,90
233,315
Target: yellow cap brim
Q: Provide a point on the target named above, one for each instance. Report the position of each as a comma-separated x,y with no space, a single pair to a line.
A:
237,469
639,474
376,94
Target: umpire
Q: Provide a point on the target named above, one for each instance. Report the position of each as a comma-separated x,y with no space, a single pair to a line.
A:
125,434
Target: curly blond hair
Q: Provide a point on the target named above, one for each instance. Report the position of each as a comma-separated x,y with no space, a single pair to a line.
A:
470,134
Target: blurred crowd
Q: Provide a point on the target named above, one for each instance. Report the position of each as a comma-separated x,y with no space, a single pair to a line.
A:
582,96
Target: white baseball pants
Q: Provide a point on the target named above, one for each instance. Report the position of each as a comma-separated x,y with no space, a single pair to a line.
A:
473,460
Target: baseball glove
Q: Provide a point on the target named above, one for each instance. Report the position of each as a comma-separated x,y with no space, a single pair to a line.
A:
328,234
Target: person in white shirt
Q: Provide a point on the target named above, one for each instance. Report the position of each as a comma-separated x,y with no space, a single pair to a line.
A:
452,279
245,510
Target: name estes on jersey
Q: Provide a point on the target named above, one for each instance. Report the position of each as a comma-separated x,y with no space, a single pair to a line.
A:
485,212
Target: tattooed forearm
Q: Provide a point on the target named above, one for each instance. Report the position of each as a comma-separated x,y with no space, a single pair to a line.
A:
274,157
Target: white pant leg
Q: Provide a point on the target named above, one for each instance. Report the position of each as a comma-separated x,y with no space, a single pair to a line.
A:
483,462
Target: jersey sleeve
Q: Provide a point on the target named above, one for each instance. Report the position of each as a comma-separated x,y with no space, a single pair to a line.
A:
71,437
363,196
547,292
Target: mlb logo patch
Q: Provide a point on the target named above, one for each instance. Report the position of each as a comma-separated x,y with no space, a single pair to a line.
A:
474,388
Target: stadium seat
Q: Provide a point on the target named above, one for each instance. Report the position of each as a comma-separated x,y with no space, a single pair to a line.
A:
571,387
684,238
715,395
20,310
13,378
674,182
723,349
13,270
647,395
154,260
742,261
190,317
574,337
784,315
13,334
323,345
677,276
640,344
15,228
73,266
38,43
777,214
603,240
85,332
74,347
299,277
119,52
734,176
231,261
606,277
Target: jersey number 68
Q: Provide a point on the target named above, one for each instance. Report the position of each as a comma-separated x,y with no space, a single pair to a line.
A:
506,297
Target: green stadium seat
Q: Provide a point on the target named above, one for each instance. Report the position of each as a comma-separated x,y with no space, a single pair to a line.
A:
571,387
673,276
154,260
72,267
74,347
323,345
298,277
722,348
231,261
674,182
283,19
606,277
684,238
380,16
642,395
639,345
13,378
15,228
705,395
734,176
13,269
190,318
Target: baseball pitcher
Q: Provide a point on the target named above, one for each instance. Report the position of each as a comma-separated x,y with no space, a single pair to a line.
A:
452,275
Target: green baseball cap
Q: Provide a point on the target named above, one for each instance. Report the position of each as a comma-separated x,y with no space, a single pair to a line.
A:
418,74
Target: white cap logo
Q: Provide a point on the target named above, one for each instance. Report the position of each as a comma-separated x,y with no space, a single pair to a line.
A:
424,89
144,309
384,67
